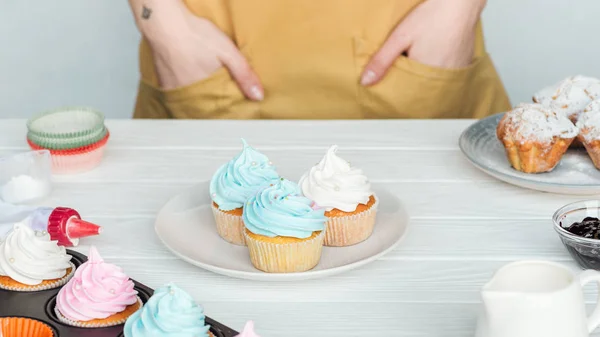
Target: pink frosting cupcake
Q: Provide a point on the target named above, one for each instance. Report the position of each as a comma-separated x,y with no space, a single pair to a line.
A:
99,295
248,330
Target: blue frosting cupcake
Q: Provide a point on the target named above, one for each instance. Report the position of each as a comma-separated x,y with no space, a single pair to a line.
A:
169,312
233,184
282,210
240,178
284,231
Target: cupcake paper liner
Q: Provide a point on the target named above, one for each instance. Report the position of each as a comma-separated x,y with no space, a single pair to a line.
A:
77,163
24,327
68,143
352,229
77,160
107,322
43,286
81,121
75,151
230,227
285,257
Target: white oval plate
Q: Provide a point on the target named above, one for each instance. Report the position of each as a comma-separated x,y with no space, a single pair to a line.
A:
186,227
575,174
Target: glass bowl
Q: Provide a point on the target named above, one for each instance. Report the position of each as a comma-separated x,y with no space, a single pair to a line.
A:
585,251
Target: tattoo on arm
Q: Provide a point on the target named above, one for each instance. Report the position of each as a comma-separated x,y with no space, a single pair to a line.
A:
146,12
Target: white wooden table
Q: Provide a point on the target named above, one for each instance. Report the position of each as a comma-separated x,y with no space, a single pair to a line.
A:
464,224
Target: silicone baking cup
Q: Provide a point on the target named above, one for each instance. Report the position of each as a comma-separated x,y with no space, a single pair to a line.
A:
77,160
68,143
70,122
24,327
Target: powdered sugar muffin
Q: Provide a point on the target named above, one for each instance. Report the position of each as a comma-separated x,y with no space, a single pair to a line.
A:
589,131
535,137
569,96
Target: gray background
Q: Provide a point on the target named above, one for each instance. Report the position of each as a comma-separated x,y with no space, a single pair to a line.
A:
73,52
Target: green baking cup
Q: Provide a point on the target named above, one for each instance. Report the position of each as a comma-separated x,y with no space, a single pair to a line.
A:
67,143
69,122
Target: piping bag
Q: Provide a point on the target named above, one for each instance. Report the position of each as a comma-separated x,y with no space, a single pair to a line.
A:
62,223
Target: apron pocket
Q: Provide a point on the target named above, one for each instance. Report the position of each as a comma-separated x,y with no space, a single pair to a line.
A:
414,90
217,96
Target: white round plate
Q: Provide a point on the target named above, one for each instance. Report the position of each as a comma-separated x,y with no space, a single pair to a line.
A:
575,174
186,227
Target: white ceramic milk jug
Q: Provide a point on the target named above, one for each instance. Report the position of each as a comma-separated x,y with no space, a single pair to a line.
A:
537,299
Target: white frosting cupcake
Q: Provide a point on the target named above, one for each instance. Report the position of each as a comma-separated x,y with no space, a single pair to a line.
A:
345,192
570,96
32,259
334,183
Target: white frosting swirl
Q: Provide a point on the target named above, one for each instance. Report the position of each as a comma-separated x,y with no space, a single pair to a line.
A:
333,183
29,257
569,96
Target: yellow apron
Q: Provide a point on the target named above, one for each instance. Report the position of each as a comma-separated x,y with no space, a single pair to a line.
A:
309,56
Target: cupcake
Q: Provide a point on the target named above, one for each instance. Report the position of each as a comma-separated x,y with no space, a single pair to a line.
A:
589,131
248,330
570,96
233,184
284,232
30,261
535,137
345,193
24,327
99,295
169,312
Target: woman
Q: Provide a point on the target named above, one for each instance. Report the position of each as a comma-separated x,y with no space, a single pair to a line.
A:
314,59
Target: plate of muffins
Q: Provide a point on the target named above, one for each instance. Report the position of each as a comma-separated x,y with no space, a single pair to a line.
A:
551,144
251,222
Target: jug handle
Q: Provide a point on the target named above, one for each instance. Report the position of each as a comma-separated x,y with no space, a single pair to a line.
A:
586,277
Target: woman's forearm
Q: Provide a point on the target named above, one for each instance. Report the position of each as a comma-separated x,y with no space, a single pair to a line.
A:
158,20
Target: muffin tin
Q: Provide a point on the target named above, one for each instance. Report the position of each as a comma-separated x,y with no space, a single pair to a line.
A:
40,306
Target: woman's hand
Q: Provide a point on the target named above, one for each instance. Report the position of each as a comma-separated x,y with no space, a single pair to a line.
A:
188,49
438,33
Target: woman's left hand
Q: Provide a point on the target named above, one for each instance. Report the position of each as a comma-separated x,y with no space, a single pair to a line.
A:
439,33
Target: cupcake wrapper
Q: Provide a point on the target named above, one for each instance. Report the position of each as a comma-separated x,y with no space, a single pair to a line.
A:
70,152
285,257
68,143
78,163
230,227
87,325
24,327
352,229
47,286
85,121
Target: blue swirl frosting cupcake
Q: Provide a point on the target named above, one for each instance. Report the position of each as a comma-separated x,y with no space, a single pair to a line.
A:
169,312
284,230
232,184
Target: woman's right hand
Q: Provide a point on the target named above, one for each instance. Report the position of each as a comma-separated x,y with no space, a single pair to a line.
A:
194,49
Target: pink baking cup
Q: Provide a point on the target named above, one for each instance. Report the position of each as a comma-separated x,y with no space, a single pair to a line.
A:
78,160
